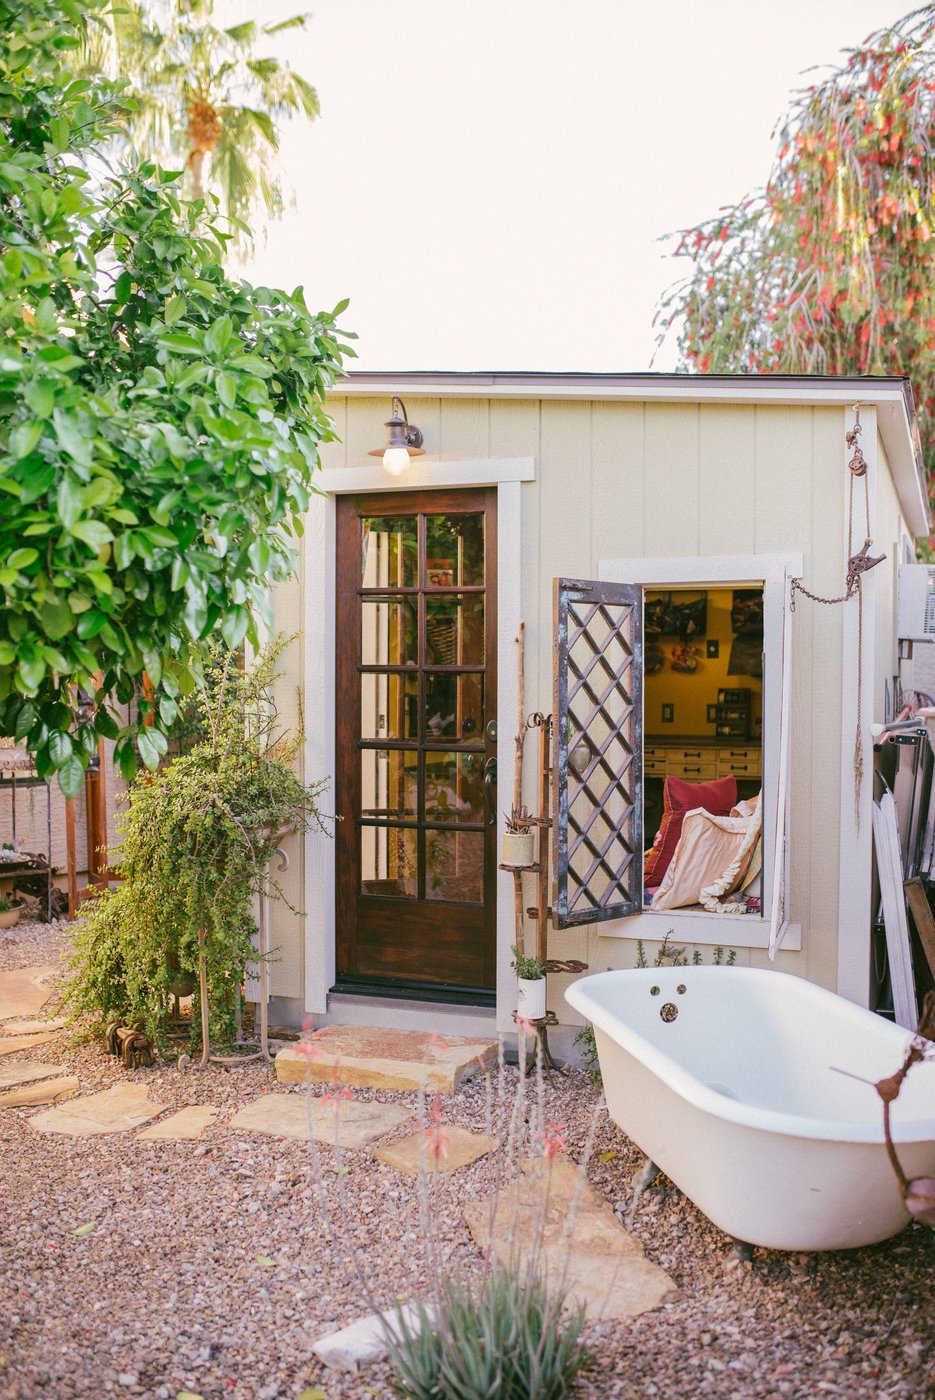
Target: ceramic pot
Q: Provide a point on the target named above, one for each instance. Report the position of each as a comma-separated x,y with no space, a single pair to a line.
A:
530,998
10,917
518,848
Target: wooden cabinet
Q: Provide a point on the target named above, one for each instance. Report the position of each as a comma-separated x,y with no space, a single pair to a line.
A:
698,760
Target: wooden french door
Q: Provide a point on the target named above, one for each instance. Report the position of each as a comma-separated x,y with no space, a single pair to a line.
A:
415,779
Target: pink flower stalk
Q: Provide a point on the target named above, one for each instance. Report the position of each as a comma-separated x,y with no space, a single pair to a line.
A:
308,1046
436,1134
339,1092
553,1140
526,1027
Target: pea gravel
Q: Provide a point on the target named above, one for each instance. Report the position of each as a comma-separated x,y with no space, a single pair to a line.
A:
209,1268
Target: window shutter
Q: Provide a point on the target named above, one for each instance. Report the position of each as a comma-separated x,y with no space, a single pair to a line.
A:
598,787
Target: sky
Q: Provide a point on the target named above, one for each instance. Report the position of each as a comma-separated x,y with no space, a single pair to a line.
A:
490,179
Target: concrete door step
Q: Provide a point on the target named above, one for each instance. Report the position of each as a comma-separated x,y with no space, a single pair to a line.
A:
367,1057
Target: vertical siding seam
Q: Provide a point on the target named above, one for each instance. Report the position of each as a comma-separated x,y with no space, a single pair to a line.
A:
643,476
698,411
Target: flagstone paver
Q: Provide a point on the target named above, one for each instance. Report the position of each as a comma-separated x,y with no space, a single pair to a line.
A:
189,1122
352,1125
39,1092
9,1044
35,1027
463,1149
113,1110
372,1058
14,1072
25,991
601,1265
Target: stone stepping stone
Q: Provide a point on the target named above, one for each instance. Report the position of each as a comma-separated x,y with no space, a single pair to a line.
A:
34,1027
363,1341
286,1115
9,1044
115,1110
25,991
463,1149
600,1265
189,1122
370,1058
39,1092
25,1071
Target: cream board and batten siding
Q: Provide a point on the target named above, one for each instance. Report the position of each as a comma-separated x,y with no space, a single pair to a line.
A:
624,479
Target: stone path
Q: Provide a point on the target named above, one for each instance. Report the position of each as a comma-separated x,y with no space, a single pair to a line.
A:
406,1154
184,1126
370,1058
601,1265
25,991
40,1091
113,1110
350,1125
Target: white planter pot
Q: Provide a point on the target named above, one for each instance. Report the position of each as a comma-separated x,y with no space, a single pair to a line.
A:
518,848
10,917
530,998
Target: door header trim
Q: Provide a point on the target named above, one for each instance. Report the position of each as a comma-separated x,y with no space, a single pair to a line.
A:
426,474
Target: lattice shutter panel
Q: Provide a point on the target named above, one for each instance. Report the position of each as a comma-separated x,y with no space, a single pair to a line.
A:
598,817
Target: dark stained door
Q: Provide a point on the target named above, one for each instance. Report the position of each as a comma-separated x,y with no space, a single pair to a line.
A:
416,692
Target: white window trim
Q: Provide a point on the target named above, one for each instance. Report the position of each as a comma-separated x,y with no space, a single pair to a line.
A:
319,600
741,570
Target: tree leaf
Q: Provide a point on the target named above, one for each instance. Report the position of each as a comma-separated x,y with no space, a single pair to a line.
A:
152,745
84,1230
22,558
92,532
70,780
24,438
60,748
265,1261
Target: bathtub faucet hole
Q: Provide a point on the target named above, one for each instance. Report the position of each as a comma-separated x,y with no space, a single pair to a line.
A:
668,1011
654,991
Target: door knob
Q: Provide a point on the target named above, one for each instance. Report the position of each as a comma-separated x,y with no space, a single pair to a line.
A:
490,790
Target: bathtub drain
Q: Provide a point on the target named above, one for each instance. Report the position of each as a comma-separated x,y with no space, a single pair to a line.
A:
669,1011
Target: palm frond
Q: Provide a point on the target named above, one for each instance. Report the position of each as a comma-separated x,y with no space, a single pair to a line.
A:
296,22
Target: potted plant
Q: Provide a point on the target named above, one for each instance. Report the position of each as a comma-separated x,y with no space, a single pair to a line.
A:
518,840
10,910
530,985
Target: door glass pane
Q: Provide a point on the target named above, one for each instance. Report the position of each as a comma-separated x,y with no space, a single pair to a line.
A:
389,861
389,632
454,550
389,707
454,865
454,631
389,783
389,551
454,707
454,787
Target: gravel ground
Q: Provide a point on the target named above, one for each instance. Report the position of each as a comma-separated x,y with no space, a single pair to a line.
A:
168,1292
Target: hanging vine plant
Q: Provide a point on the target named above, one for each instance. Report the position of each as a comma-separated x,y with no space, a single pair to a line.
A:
198,837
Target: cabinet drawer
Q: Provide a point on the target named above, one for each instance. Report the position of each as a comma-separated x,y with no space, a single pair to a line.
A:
747,769
693,770
655,762
739,753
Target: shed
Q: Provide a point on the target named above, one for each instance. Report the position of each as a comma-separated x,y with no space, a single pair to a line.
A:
646,529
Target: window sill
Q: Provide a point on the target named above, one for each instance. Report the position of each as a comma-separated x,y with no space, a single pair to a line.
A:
728,930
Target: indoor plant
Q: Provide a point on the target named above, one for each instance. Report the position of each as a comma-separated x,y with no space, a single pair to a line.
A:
518,840
530,985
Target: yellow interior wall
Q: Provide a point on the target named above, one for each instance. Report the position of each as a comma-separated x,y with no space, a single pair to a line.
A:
692,694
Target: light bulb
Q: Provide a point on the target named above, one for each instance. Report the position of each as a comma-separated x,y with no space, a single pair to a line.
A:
396,460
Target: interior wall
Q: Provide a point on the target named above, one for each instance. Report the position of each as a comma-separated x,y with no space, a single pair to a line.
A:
691,693
621,480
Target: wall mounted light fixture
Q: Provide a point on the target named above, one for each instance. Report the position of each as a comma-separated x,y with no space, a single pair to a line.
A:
403,440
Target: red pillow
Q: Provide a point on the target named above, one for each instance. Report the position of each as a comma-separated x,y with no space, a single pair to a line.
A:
679,797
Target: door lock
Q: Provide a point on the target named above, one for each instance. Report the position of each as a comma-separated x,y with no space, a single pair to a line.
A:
491,731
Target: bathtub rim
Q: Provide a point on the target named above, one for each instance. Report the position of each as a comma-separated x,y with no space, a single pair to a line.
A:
679,1079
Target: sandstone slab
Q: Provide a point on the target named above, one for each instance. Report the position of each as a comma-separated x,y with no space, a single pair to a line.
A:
39,1092
463,1149
25,991
371,1058
35,1027
352,1125
189,1122
584,1247
9,1044
365,1340
115,1110
25,1071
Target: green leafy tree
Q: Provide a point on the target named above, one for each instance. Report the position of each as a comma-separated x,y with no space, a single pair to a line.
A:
159,422
204,98
831,268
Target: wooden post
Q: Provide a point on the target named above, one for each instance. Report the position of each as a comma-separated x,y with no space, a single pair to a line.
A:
71,858
542,919
518,776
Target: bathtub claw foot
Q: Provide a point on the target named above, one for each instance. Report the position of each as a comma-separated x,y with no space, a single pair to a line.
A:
644,1178
742,1252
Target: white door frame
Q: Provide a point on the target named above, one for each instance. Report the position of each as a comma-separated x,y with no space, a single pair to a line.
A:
318,579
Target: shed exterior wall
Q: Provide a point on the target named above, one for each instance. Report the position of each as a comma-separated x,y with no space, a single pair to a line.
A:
617,480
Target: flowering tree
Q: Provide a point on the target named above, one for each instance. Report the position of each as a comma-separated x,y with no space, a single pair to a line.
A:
831,269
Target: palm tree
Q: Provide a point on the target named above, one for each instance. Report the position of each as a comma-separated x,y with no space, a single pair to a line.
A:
204,99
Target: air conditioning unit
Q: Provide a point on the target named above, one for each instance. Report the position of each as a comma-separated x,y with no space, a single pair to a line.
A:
915,603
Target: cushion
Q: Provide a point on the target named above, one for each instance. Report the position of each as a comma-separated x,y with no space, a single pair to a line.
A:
713,858
679,797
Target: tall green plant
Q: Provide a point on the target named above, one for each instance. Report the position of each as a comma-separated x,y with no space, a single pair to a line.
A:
204,98
197,841
159,422
829,270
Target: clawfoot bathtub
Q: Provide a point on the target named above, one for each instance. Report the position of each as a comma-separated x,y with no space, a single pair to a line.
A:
726,1078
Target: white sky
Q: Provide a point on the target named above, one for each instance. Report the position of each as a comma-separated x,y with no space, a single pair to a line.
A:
489,178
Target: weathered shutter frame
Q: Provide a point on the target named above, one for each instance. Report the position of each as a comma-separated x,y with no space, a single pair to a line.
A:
596,593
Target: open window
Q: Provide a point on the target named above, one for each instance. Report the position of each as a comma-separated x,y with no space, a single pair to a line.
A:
671,750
